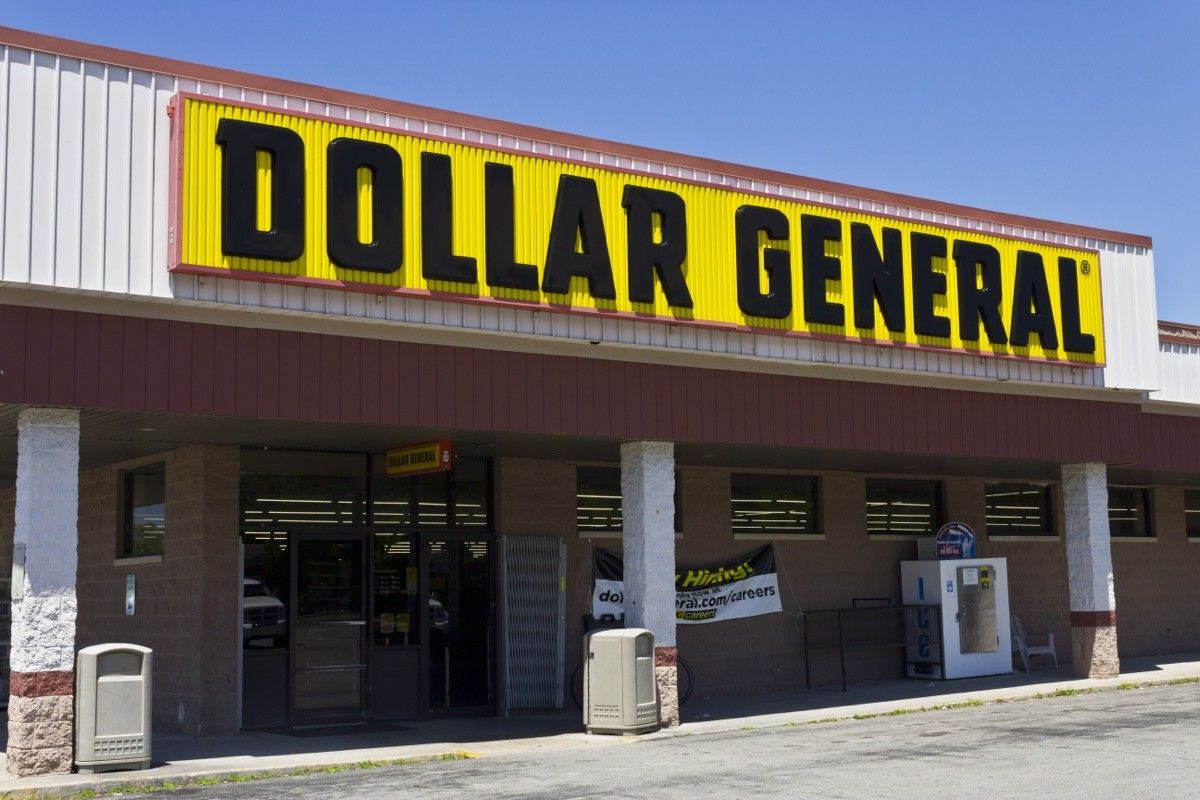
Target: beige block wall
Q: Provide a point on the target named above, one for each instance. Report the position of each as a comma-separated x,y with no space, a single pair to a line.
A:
1037,568
187,603
760,653
1158,596
1158,584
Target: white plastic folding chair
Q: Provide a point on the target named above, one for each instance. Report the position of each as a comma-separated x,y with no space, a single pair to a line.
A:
1021,645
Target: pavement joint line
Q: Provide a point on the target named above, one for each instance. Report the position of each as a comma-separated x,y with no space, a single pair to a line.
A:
130,784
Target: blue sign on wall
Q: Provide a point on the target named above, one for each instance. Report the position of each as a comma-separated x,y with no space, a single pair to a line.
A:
956,540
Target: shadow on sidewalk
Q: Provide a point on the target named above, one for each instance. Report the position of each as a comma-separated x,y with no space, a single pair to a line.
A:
717,707
415,738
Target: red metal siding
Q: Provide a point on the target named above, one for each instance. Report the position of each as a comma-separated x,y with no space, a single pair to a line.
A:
110,362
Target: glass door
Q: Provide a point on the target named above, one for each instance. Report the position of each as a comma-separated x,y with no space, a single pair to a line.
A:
329,628
459,623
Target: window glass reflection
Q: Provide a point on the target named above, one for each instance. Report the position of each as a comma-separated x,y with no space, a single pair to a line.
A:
469,482
773,503
1128,511
457,499
1018,509
265,592
394,621
910,507
272,502
145,510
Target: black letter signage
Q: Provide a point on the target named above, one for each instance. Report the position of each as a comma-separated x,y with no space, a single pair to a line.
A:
877,278
240,236
647,256
499,223
577,214
777,302
977,302
1032,312
1074,339
438,261
927,282
386,252
818,268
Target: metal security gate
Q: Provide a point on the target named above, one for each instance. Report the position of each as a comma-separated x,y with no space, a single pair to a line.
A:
533,577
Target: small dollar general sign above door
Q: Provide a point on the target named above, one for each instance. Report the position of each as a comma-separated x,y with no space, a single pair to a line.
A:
415,459
270,195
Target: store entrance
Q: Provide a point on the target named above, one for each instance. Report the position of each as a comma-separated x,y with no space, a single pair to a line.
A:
329,625
364,597
461,634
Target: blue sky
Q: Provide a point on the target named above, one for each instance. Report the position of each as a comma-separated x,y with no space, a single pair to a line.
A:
1082,112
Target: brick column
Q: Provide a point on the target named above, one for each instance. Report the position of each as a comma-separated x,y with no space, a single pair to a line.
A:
1089,571
648,540
42,684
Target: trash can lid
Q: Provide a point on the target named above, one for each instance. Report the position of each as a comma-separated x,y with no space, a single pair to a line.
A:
622,633
114,647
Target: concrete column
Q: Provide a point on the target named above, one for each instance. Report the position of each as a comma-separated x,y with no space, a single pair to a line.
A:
1089,571
648,541
42,685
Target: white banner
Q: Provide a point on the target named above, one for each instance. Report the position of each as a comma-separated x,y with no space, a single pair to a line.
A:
705,595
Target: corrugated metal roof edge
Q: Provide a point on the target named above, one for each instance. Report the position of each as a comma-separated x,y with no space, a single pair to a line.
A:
1179,333
75,49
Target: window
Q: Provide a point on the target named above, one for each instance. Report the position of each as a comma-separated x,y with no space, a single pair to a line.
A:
903,507
598,500
1019,509
265,591
1129,512
282,502
763,503
1191,512
395,577
458,499
144,509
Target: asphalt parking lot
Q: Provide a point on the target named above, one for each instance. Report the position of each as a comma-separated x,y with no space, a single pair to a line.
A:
1140,743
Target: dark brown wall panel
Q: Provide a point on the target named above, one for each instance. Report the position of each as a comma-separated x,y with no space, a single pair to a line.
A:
127,363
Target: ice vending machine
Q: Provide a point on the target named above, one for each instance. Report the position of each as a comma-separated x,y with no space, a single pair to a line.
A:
970,636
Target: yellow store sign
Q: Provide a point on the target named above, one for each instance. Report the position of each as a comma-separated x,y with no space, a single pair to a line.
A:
417,459
268,195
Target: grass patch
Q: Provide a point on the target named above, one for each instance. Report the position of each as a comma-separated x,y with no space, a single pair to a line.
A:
246,777
970,702
1182,681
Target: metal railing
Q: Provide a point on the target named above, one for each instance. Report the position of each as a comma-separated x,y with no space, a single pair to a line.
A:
871,623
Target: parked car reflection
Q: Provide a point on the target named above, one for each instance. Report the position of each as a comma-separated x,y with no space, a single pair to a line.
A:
264,616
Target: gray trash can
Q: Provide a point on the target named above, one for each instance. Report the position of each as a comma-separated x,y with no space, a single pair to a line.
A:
112,707
620,693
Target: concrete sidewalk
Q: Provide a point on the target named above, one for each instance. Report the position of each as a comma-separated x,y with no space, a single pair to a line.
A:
180,759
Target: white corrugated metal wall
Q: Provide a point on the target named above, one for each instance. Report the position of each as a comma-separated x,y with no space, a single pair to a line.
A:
1130,319
1178,373
84,207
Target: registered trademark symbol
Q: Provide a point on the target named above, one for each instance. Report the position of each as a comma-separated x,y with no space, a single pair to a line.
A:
1085,268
